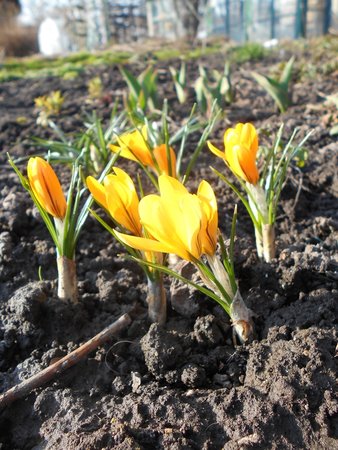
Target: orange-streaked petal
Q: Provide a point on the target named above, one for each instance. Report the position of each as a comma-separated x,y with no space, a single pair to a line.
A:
232,160
160,154
248,165
46,187
241,145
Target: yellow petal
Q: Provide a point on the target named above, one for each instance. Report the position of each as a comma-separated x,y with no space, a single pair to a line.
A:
46,187
122,200
133,146
209,204
124,152
170,187
141,243
165,223
215,150
97,191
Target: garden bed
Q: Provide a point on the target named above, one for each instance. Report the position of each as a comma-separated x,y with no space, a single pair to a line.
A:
184,385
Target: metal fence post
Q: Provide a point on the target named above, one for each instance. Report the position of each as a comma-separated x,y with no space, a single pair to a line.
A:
272,19
300,22
227,17
327,16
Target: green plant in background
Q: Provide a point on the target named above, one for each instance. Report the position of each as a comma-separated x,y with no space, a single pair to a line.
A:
331,101
142,89
48,105
279,89
180,81
250,51
95,88
217,88
263,190
90,148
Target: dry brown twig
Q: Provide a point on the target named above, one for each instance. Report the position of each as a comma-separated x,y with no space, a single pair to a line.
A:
37,380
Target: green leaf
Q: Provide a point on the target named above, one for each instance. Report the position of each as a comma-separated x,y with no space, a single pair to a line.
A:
287,73
132,82
274,89
176,275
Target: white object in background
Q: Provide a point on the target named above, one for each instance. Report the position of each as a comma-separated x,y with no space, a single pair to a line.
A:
271,43
49,37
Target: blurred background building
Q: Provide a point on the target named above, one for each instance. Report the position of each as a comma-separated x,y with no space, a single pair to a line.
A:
58,26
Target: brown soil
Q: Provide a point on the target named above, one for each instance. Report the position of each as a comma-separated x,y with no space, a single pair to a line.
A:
184,385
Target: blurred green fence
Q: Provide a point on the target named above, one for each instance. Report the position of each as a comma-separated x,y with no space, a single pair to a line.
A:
262,20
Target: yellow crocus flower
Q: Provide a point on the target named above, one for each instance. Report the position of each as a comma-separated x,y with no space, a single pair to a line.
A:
119,197
134,146
178,222
240,150
46,187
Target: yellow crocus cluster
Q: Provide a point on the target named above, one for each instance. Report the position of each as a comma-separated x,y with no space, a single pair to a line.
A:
134,146
46,187
178,222
240,150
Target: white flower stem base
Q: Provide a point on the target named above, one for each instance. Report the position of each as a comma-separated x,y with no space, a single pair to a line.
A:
265,242
259,243
157,301
269,247
67,279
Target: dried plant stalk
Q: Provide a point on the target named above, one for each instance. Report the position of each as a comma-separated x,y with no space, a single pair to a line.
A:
24,388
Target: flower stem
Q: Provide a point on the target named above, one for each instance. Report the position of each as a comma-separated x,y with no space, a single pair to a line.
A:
241,317
157,300
269,248
67,279
259,243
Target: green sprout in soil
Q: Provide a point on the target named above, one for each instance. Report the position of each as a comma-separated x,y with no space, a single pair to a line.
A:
279,89
216,88
142,89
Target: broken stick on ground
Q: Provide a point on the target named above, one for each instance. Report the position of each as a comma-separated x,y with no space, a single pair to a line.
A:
24,388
